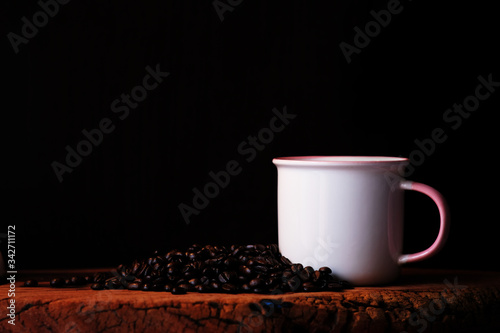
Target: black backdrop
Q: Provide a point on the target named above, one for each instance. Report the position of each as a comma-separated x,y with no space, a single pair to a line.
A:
227,73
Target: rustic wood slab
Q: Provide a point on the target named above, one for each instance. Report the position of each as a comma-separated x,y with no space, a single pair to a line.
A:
421,301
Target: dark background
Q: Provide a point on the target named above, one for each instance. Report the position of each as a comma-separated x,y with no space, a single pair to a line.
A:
225,79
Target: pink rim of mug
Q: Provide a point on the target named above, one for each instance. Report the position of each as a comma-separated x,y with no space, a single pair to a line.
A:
337,160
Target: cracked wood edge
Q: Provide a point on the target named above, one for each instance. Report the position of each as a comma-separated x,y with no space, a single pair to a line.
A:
358,310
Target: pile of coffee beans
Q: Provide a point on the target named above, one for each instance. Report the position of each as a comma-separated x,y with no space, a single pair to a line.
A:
215,269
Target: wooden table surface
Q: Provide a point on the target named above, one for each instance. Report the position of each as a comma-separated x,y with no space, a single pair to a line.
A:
422,300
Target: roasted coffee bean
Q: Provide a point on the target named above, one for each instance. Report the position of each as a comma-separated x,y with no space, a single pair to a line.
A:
78,280
260,269
173,271
160,280
254,283
325,270
294,283
245,287
260,247
208,272
167,287
243,260
31,283
178,290
194,282
271,282
285,261
287,274
249,268
244,270
135,268
309,287
260,261
273,248
229,288
97,286
321,284
202,288
304,275
113,284
57,282
227,276
147,278
147,286
189,272
186,286
231,262
236,251
309,269
182,281
214,285
134,286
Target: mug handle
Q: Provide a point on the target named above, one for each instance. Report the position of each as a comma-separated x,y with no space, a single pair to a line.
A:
444,224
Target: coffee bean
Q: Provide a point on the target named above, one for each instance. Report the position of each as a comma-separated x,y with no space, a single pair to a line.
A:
245,287
147,286
78,280
231,262
227,276
271,282
57,282
97,286
31,283
186,286
285,261
134,286
309,287
245,270
201,288
178,290
215,268
297,268
229,288
304,275
194,282
254,283
273,248
260,269
215,285
294,283
135,268
325,270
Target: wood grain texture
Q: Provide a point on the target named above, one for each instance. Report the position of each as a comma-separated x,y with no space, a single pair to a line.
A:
421,301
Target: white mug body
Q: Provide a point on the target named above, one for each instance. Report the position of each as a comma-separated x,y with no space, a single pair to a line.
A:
342,212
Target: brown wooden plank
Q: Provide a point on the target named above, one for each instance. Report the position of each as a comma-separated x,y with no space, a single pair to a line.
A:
421,301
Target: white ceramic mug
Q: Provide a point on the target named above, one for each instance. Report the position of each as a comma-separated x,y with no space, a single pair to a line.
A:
346,212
